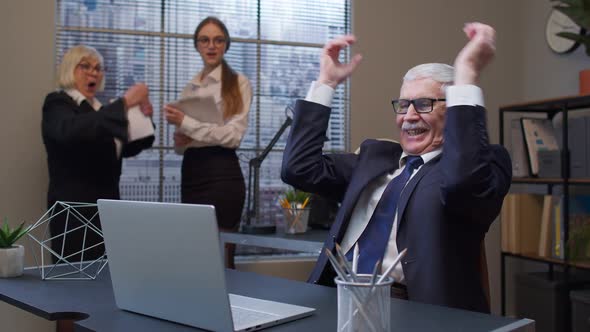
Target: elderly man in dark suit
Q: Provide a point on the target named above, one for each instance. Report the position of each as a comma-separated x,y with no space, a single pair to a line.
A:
436,193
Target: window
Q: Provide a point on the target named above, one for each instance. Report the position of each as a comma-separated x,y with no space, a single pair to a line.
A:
276,44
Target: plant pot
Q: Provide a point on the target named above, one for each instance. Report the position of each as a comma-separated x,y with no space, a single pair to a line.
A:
585,82
12,261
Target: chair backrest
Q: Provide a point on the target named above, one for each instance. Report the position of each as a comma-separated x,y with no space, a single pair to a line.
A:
483,269
379,139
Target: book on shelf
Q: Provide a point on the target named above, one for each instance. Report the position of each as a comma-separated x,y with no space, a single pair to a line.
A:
520,167
520,223
578,141
578,244
538,136
545,232
534,225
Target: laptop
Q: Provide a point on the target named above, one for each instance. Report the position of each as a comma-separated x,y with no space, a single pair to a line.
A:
166,261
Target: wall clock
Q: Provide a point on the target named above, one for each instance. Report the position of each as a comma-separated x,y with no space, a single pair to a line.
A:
559,22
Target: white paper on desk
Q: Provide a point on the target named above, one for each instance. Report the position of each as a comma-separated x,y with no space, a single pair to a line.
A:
140,125
203,109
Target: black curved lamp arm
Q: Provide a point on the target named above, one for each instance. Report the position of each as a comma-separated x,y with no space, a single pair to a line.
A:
257,161
254,169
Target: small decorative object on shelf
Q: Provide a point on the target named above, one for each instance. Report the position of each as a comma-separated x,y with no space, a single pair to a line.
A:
295,209
11,256
566,30
79,217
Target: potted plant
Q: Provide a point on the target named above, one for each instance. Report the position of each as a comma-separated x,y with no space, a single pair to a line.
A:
11,256
294,204
577,11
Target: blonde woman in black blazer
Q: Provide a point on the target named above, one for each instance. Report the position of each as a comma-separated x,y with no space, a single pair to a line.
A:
85,142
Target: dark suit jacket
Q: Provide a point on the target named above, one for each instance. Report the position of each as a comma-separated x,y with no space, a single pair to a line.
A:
81,155
444,211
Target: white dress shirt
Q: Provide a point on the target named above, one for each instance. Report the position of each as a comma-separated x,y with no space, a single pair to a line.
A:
367,202
96,105
229,134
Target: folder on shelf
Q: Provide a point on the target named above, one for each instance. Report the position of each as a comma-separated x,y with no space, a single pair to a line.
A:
545,233
521,215
530,210
520,167
578,141
578,242
557,244
577,146
539,136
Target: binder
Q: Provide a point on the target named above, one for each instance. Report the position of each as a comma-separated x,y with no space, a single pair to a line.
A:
520,166
538,136
577,144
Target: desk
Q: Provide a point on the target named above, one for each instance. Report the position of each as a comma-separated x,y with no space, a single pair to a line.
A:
310,241
91,302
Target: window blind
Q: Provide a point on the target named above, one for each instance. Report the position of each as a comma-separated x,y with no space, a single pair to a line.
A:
276,44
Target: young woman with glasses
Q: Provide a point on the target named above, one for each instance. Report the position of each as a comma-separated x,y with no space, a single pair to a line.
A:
211,172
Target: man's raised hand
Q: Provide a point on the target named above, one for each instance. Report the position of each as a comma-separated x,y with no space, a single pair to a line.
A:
332,71
477,53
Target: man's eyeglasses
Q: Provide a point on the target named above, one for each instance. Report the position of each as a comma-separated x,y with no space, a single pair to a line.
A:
87,68
421,105
217,41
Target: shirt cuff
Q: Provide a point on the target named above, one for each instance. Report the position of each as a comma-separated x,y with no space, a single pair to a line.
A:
464,95
187,124
320,94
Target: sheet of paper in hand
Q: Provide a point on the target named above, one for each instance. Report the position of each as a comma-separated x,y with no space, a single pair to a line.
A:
202,109
140,125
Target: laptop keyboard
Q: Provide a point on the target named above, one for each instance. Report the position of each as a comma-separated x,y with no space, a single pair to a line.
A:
243,316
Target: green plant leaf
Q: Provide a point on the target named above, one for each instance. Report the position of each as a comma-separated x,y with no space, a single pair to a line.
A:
5,228
8,237
584,40
3,240
22,233
296,196
15,230
15,234
577,10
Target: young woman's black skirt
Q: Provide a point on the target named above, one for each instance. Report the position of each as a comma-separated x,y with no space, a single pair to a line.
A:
212,175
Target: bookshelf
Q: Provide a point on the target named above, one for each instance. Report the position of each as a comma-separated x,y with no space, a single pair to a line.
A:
548,107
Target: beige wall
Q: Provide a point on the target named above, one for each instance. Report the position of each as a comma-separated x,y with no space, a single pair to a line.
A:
26,64
27,76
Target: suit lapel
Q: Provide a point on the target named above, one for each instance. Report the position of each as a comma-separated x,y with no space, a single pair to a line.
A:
409,189
84,106
375,160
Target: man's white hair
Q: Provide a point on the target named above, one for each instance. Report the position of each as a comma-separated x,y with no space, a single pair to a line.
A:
439,72
72,58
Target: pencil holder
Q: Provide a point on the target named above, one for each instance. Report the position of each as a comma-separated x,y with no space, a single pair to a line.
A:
296,220
362,305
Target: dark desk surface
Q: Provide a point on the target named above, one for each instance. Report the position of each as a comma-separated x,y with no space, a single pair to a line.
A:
311,241
92,302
